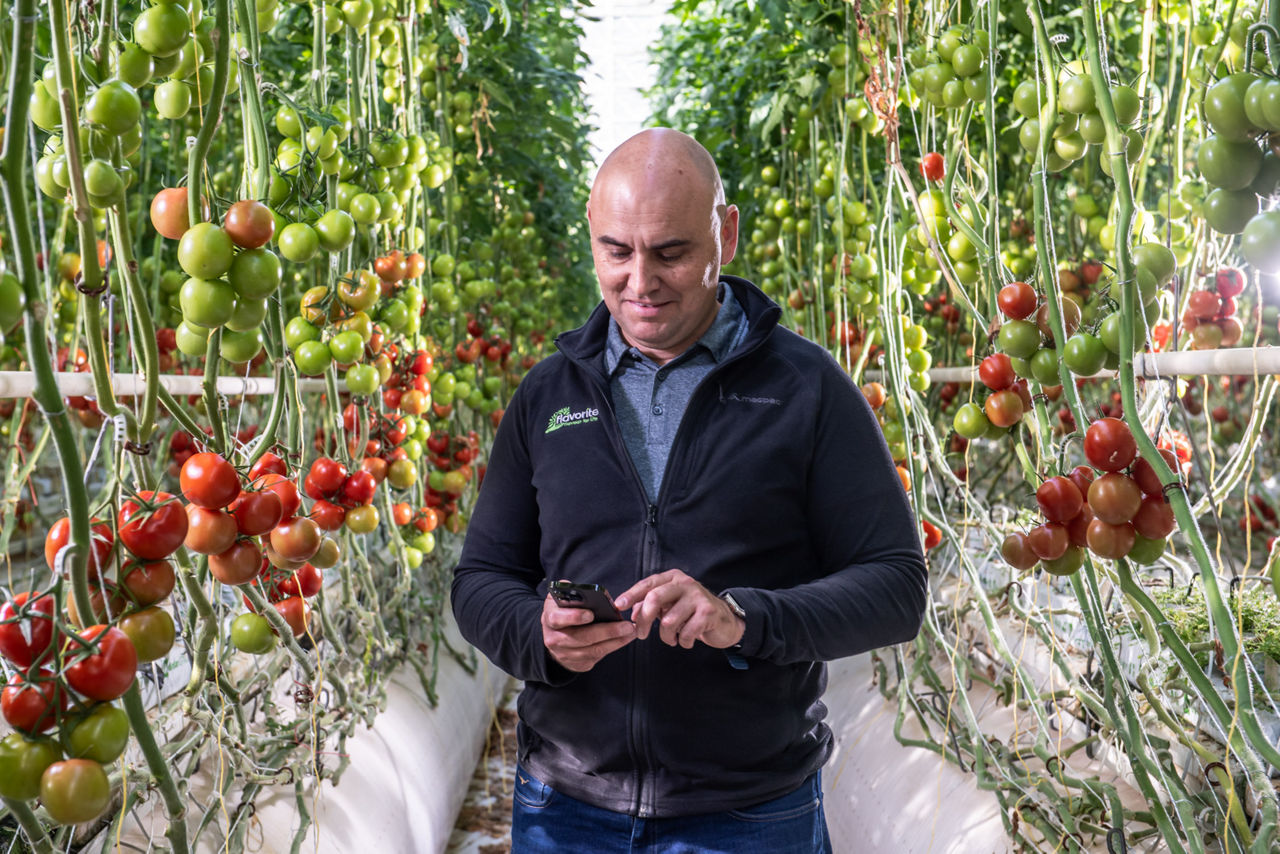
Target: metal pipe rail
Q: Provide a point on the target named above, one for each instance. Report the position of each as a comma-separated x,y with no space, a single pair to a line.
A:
22,383
1236,361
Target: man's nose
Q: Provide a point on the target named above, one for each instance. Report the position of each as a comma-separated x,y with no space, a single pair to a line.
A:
643,274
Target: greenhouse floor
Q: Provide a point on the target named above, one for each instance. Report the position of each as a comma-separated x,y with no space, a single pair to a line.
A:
484,822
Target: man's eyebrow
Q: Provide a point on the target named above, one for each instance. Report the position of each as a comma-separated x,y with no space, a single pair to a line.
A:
674,243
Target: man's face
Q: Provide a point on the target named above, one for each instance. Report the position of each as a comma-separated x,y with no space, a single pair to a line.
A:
658,249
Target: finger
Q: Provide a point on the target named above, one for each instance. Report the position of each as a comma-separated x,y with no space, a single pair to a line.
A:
675,623
661,599
641,588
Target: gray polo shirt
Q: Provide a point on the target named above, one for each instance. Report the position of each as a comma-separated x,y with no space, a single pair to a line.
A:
650,399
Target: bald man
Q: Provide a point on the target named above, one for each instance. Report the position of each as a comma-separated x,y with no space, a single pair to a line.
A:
726,479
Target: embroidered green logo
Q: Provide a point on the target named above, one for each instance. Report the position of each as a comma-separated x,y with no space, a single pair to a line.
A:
567,418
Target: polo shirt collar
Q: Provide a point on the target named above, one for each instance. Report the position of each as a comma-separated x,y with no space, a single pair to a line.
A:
724,333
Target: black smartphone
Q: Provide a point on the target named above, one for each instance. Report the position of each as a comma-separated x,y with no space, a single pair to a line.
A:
593,597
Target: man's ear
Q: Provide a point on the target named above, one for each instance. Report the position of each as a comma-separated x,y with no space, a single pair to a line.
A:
729,235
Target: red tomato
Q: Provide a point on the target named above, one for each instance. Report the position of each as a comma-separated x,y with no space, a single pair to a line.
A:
26,628
148,583
257,512
285,489
305,581
327,515
107,673
996,372
102,543
295,612
268,462
1109,445
932,534
1110,541
401,513
1115,498
1082,476
1017,300
1016,551
156,531
33,704
237,565
209,481
1059,499
1154,519
296,539
209,532
375,466
325,478
1204,305
1078,527
1049,541
169,212
358,489
1145,474
933,167
1004,408
249,224
1229,282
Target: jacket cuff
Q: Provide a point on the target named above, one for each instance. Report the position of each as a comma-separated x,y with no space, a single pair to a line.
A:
548,670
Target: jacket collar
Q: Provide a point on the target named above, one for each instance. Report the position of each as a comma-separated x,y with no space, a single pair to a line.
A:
586,344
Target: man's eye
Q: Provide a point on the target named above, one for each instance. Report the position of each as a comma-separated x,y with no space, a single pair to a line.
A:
619,253
669,259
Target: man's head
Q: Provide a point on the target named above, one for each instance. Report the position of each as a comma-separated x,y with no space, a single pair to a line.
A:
660,230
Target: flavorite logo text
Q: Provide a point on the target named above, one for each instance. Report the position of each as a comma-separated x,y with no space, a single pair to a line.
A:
566,417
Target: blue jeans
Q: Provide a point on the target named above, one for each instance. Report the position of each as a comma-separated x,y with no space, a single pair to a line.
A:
545,821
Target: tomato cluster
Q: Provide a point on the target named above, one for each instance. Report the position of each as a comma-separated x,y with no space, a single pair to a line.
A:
1210,315
1120,513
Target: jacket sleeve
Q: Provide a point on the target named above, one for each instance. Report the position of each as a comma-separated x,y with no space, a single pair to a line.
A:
873,585
495,584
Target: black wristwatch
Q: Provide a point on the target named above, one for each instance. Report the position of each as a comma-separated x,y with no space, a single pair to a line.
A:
734,653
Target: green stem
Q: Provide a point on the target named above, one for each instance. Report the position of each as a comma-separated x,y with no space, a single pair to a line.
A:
161,774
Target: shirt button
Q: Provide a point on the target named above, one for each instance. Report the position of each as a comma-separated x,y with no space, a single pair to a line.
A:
657,409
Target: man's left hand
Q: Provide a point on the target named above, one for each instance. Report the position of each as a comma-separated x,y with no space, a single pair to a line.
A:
684,610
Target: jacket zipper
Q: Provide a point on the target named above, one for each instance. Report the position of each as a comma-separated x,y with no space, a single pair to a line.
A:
637,743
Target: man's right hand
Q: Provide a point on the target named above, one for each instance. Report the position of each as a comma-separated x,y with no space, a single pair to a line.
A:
576,642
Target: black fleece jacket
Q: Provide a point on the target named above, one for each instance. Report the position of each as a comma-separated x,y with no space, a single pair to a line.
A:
779,488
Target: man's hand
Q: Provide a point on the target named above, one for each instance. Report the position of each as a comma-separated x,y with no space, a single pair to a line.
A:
685,610
575,641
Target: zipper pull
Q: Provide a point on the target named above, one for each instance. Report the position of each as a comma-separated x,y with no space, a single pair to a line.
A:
653,515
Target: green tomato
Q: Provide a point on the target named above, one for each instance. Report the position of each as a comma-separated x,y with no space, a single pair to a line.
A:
172,99
240,347
1019,338
101,735
12,301
249,315
1227,164
255,273
346,347
362,379
298,331
312,358
162,29
1044,366
205,251
252,633
298,242
207,302
1084,354
1230,211
364,209
970,421
114,107
192,340
1260,243
74,791
1146,551
22,762
335,231
1224,107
